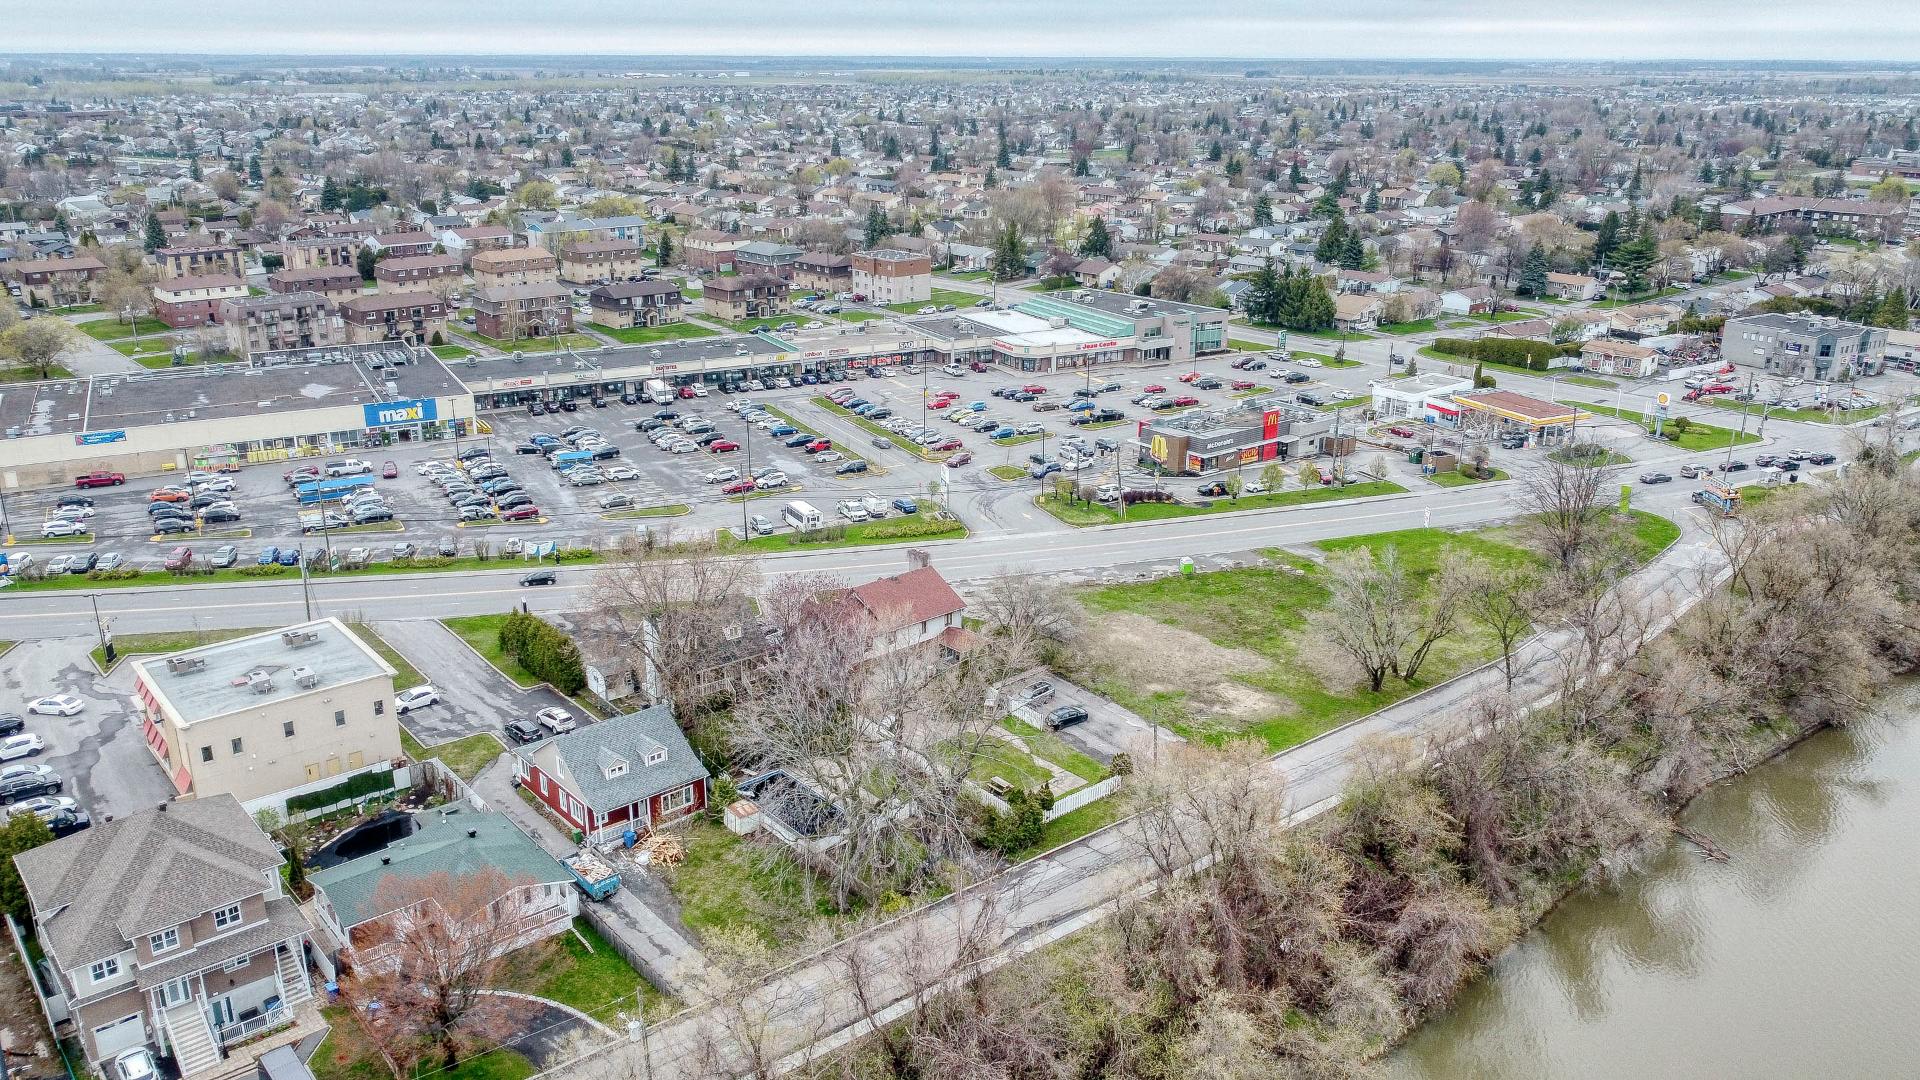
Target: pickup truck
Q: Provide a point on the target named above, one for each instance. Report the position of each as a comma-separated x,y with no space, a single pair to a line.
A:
100,479
595,878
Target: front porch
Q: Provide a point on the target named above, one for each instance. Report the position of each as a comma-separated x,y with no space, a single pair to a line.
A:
219,1020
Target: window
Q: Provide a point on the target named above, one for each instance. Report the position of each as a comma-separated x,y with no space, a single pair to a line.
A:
235,964
655,757
339,718
286,728
236,746
675,800
226,916
165,941
380,707
206,753
104,970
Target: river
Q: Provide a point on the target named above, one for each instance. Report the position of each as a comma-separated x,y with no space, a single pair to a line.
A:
1798,957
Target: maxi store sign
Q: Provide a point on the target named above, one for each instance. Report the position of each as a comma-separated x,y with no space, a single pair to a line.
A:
400,413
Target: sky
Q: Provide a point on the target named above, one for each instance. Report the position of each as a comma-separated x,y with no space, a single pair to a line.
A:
1360,29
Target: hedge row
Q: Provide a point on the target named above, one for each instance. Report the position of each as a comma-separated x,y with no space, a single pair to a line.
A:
348,790
546,652
1519,352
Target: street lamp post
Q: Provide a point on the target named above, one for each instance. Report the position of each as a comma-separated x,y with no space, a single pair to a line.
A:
747,442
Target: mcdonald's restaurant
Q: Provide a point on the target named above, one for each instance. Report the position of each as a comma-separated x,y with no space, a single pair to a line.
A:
1198,444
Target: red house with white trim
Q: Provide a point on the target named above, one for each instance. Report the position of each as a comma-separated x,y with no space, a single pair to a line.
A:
630,772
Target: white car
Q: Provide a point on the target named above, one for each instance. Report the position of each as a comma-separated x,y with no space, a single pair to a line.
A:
700,391
19,746
44,805
59,564
75,513
57,705
559,721
61,527
1307,361
623,472
827,456
1253,487
417,698
723,476
135,1064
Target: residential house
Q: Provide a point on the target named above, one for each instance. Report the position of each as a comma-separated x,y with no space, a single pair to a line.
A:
270,715
195,259
1355,312
1574,287
1643,320
301,320
418,273
824,272
889,276
336,283
168,927
464,243
514,266
563,231
401,245
913,610
54,283
194,301
594,262
358,901
634,772
1096,274
625,304
1473,300
1610,356
736,298
1365,281
512,312
418,317
968,258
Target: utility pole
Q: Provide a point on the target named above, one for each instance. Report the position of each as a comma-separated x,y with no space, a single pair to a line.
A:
100,629
748,443
306,587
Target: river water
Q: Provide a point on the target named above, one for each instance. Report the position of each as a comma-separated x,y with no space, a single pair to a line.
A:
1799,957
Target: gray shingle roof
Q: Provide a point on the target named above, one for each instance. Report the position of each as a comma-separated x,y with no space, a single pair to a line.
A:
631,737
97,890
440,846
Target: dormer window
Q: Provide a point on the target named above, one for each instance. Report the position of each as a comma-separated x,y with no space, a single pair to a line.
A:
619,769
656,756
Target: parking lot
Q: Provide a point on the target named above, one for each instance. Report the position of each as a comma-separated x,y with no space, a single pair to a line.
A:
1109,728
100,754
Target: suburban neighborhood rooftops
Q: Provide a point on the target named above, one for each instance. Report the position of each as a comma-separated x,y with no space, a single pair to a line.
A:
457,844
259,669
580,763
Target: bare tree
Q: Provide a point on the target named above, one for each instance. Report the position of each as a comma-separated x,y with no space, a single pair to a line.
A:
1032,614
1561,504
434,957
1500,599
1382,619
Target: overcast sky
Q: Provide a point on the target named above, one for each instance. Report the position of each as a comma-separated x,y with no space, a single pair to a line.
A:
1478,29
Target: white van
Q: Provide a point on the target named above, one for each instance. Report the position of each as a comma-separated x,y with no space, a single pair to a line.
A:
801,516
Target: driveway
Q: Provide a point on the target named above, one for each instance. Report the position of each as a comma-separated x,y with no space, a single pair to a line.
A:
101,753
639,916
478,697
1108,729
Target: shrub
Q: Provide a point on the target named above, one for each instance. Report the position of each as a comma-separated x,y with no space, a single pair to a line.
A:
1517,352
423,562
1017,828
366,783
270,570
573,554
546,652
118,573
1145,495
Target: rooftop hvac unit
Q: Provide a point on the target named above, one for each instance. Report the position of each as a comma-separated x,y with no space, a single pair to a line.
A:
305,677
259,682
181,665
299,639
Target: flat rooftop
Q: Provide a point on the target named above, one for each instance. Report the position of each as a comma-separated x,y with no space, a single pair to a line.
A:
216,391
260,670
1119,303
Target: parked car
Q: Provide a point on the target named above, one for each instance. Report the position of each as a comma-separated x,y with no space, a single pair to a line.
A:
1655,478
1213,489
847,467
14,747
57,705
760,525
525,512
225,556
60,527
418,697
524,731
540,577
1064,716
557,720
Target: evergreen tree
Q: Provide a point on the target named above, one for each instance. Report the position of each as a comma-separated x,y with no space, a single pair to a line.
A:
937,158
1533,273
1372,205
1009,254
253,170
890,147
1098,243
329,194
991,180
1892,311
364,261
1262,301
1332,242
1214,152
566,157
1607,239
665,246
1294,176
193,168
1634,259
1262,211
876,228
1353,253
156,235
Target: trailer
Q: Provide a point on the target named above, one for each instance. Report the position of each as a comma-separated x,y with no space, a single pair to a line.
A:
334,490
593,875
567,459
1719,498
658,392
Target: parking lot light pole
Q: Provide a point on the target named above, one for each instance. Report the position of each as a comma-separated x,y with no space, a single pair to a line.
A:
747,441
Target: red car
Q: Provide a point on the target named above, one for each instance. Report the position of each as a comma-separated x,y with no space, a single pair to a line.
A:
1717,388
818,445
1153,388
1400,432
520,513
389,470
959,459
739,487
939,403
950,444
1242,384
1034,389
723,446
686,392
1191,376
100,479
1184,400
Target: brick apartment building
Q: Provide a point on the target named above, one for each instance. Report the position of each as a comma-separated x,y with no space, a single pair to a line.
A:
709,249
192,259
195,301
420,317
52,283
413,273
272,322
888,276
319,251
336,283
623,304
595,262
511,312
514,266
823,271
737,298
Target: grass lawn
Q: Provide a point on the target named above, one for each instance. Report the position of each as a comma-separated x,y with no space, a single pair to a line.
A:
1416,326
1008,472
1101,515
1237,345
452,352
917,528
997,759
1019,440
126,645
346,1054
588,975
939,297
540,344
115,329
972,275
1598,382
1697,436
900,441
669,510
1346,403
1504,316
1074,824
483,633
1046,745
24,374
1805,416
405,674
1103,425
726,881
1608,458
1327,359
1629,301
1456,478
644,335
468,757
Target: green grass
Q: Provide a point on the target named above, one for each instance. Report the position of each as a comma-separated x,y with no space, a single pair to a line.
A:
114,329
745,326
939,297
482,632
1456,478
467,757
452,352
1345,403
588,975
1640,298
1075,824
974,275
1103,425
1415,326
726,882
1019,440
1697,436
26,375
166,641
1100,515
151,578
80,309
1326,359
1238,345
1504,316
893,530
865,424
1008,472
669,510
645,335
1804,416
1608,458
1598,382
1050,747
345,1054
540,344
996,759
405,674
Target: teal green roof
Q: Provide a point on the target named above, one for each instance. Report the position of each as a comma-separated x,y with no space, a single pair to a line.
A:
1078,316
441,845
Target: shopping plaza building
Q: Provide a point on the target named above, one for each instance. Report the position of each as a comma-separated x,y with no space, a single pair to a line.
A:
293,403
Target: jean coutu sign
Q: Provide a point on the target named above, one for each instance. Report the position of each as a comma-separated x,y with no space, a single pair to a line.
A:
391,413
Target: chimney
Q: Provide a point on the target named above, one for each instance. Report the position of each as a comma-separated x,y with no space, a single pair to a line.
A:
472,833
918,559
386,860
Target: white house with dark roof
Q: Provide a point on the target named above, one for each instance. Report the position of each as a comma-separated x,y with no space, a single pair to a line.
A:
630,772
169,927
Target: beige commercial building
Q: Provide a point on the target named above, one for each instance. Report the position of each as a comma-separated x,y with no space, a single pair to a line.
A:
269,716
887,276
